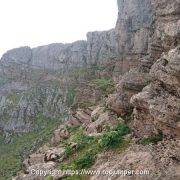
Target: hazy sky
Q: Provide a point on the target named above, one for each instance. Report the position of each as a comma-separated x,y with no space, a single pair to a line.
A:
40,22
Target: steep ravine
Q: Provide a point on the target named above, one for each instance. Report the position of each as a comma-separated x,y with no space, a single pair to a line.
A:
114,100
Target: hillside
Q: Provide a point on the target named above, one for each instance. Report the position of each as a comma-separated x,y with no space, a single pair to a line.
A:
107,104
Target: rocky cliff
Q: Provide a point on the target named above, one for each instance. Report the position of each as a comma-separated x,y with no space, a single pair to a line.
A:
117,80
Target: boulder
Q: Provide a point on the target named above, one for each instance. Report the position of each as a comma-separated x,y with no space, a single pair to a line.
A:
59,135
55,154
102,120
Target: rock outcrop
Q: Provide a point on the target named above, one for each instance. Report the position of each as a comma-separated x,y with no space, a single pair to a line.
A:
150,162
161,20
141,54
157,106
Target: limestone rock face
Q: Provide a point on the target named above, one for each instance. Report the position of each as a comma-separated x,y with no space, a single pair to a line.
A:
60,56
159,22
53,56
157,106
18,109
102,46
134,25
18,55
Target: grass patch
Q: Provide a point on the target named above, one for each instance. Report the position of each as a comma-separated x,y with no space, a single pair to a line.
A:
49,178
86,160
68,151
70,97
154,139
82,140
88,147
106,85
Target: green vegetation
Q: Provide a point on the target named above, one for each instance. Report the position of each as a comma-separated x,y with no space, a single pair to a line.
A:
68,151
72,129
76,177
122,129
49,178
82,140
87,147
154,139
114,138
86,160
110,140
12,154
70,97
78,73
106,85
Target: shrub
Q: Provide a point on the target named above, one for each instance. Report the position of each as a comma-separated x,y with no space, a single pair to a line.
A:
114,138
86,160
68,151
154,139
122,129
110,140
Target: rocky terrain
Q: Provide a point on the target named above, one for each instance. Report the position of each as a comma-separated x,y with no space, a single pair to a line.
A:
109,103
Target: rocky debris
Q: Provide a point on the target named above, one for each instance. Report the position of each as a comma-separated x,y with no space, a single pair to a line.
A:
87,95
73,122
42,166
76,120
102,119
154,162
83,117
54,154
35,159
59,135
97,112
45,159
157,106
44,155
